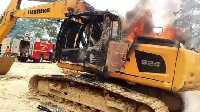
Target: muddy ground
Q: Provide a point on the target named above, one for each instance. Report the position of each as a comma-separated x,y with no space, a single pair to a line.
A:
14,96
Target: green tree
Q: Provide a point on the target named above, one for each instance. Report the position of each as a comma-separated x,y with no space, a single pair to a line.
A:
189,23
36,27
189,18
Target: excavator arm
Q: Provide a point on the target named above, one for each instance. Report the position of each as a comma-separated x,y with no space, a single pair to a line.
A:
52,10
8,19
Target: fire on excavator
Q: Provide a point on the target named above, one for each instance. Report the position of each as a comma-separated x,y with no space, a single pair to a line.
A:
111,64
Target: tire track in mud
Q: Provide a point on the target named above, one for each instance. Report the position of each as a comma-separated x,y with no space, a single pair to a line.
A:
14,91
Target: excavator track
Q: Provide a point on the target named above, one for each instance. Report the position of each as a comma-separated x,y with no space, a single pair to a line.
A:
86,94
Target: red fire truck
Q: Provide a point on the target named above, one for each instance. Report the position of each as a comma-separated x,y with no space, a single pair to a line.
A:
36,51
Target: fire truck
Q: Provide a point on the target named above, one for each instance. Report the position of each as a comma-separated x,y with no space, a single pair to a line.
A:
32,50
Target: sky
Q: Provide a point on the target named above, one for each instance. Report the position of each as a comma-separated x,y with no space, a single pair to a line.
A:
25,4
121,6
159,7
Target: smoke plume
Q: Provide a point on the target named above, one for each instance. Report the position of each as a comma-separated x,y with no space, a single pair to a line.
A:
139,8
162,11
148,14
191,99
140,19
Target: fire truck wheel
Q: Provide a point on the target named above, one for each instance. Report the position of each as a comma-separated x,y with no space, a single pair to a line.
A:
38,60
22,59
18,58
35,60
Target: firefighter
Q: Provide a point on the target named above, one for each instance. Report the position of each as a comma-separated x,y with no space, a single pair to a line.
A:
7,52
51,56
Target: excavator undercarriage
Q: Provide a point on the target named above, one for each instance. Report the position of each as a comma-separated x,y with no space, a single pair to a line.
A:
86,93
93,94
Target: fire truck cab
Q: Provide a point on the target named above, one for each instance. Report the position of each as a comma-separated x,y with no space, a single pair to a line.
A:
32,50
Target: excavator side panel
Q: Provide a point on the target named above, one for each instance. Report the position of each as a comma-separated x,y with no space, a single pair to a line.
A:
187,75
116,56
153,62
132,68
148,64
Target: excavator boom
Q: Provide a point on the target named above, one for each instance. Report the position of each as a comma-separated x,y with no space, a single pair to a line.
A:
8,20
52,10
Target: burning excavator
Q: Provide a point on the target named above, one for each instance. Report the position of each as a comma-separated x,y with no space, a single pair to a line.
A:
104,71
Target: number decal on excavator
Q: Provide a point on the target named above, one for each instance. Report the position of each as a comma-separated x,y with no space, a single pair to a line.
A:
150,63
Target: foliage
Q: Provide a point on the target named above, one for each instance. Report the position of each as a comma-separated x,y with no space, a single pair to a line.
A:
35,27
189,18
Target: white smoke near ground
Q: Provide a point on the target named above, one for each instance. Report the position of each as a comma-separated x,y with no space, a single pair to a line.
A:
192,101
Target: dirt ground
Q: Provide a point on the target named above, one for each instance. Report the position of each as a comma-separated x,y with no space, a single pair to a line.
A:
14,95
14,86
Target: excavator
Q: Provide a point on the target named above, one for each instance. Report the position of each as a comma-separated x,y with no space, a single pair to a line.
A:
103,71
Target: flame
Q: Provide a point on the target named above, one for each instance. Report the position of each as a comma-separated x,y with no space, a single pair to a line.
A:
171,32
143,25
139,25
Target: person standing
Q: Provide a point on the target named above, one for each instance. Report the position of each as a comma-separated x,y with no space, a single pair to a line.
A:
51,56
8,50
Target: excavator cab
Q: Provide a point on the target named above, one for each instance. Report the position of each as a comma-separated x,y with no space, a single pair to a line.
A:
84,42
